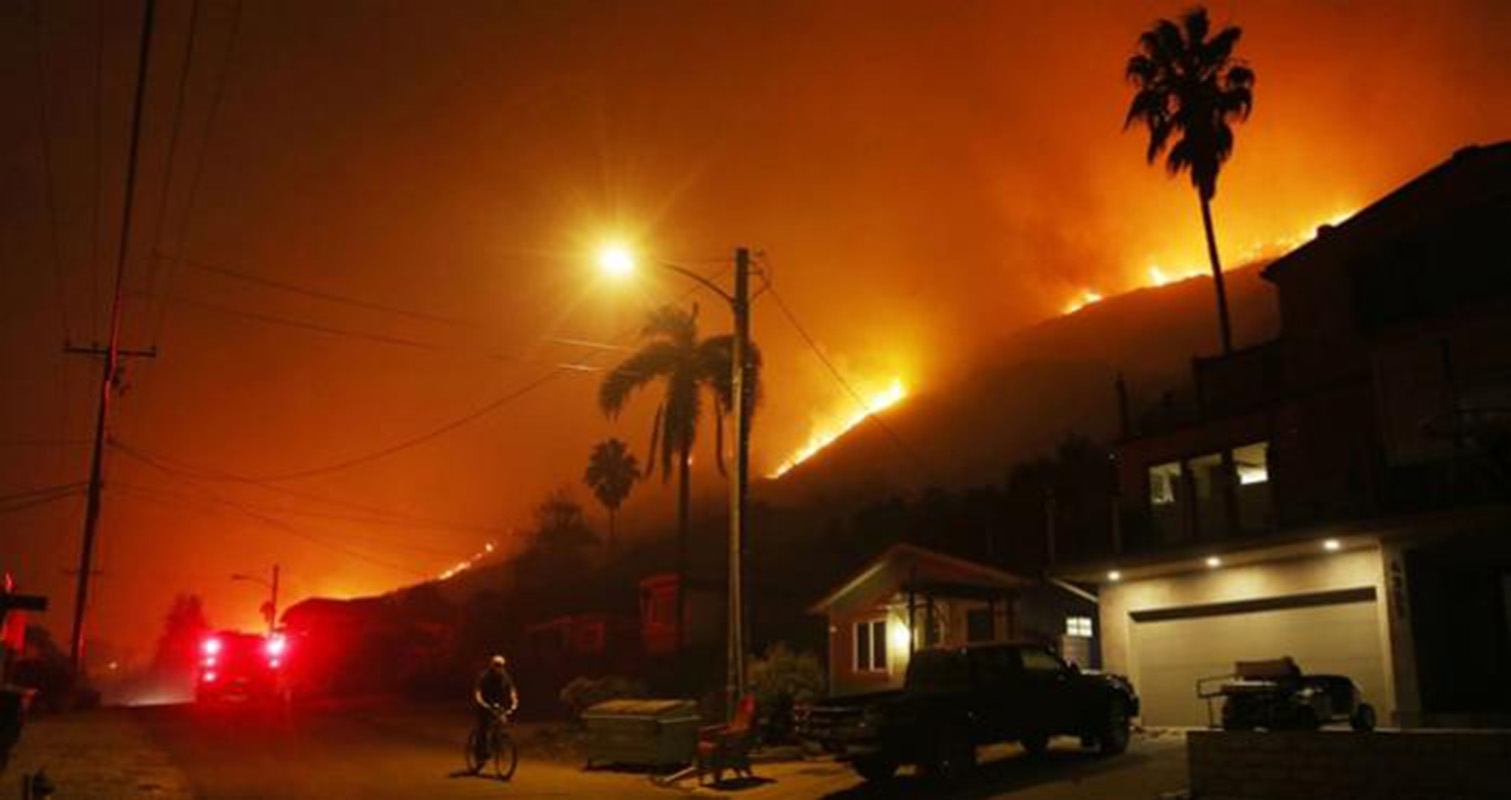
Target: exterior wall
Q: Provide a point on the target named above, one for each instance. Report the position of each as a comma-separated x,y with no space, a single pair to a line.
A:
1307,765
951,621
1346,570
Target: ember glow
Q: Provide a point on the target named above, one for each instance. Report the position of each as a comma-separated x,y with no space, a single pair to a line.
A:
466,564
1159,275
825,435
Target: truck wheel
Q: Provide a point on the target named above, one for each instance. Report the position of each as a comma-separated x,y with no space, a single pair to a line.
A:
1112,739
875,768
953,758
1363,718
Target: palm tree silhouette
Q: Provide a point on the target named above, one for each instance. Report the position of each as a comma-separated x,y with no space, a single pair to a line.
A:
1190,85
673,354
611,473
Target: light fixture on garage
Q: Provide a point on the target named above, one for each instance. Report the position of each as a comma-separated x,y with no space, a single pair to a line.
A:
1114,575
1214,562
1332,546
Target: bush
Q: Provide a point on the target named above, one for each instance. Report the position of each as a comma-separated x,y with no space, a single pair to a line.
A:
781,680
583,693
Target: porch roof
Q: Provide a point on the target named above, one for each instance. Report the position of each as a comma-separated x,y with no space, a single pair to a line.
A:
905,566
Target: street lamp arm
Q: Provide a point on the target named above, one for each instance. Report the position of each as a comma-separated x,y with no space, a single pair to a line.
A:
707,284
253,578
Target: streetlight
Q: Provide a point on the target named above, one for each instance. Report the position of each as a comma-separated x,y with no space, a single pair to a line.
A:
619,261
270,608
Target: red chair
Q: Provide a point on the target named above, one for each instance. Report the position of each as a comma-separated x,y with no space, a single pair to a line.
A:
727,747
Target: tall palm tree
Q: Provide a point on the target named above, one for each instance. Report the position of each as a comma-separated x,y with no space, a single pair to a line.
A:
611,473
673,354
1191,86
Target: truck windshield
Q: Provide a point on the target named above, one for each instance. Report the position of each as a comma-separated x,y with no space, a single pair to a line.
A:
939,671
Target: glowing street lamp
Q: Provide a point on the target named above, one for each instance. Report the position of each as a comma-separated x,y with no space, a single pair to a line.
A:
618,261
270,608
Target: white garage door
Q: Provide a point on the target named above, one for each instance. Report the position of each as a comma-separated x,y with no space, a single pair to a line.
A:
1170,654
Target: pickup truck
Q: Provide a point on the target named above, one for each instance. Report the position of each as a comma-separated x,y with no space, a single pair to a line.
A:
955,699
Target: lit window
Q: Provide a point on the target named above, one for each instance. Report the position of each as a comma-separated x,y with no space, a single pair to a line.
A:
1078,626
1164,483
871,646
1252,463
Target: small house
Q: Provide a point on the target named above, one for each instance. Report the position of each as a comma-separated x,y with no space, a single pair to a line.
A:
911,597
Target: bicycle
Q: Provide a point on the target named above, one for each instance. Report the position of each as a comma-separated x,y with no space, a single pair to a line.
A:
499,750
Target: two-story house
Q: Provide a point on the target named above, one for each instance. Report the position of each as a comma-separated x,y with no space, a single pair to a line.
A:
1342,493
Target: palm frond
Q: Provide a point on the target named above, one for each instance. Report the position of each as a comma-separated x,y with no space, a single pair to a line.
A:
1196,26
650,457
1216,51
655,360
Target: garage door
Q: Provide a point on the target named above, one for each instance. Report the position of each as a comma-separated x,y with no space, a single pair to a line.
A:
1173,648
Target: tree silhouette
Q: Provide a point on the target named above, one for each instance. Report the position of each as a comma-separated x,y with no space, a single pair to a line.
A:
611,473
673,354
1190,86
184,627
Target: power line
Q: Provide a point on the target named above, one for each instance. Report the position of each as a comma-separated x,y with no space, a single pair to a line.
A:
27,493
99,178
173,132
375,515
199,166
216,501
38,501
412,441
332,330
52,205
303,534
44,442
229,272
902,446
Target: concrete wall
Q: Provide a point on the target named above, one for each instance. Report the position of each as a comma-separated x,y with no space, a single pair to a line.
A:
1279,578
1340,765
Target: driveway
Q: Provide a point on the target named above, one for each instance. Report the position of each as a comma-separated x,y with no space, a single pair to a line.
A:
1154,764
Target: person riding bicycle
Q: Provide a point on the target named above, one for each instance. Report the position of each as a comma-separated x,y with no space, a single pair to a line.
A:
494,693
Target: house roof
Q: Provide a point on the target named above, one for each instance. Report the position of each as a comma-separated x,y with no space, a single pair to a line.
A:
898,555
1472,175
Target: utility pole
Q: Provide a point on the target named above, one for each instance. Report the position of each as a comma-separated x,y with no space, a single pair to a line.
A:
740,305
270,608
113,355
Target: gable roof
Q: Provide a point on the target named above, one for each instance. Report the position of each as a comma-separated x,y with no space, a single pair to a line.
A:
908,555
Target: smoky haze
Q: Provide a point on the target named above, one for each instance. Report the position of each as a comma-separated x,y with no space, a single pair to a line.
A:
923,178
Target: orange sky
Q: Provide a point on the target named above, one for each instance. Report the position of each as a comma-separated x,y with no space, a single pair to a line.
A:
924,178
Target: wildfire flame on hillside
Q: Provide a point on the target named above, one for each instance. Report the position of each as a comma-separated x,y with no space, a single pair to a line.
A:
1161,276
467,564
825,435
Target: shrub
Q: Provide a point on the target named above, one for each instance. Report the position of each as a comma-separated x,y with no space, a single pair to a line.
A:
782,679
583,693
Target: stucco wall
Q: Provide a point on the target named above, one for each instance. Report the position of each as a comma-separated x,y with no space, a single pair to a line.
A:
1346,570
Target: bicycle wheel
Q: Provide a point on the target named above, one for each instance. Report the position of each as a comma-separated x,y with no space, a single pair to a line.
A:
474,764
505,754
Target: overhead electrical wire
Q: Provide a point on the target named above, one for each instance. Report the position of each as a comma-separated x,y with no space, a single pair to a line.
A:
823,358
332,330
373,514
99,178
332,297
215,501
173,134
418,439
46,136
199,167
44,490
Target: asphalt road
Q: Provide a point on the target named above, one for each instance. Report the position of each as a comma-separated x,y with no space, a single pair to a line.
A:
412,753
345,755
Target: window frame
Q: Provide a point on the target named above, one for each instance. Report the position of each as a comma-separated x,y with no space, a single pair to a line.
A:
876,645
